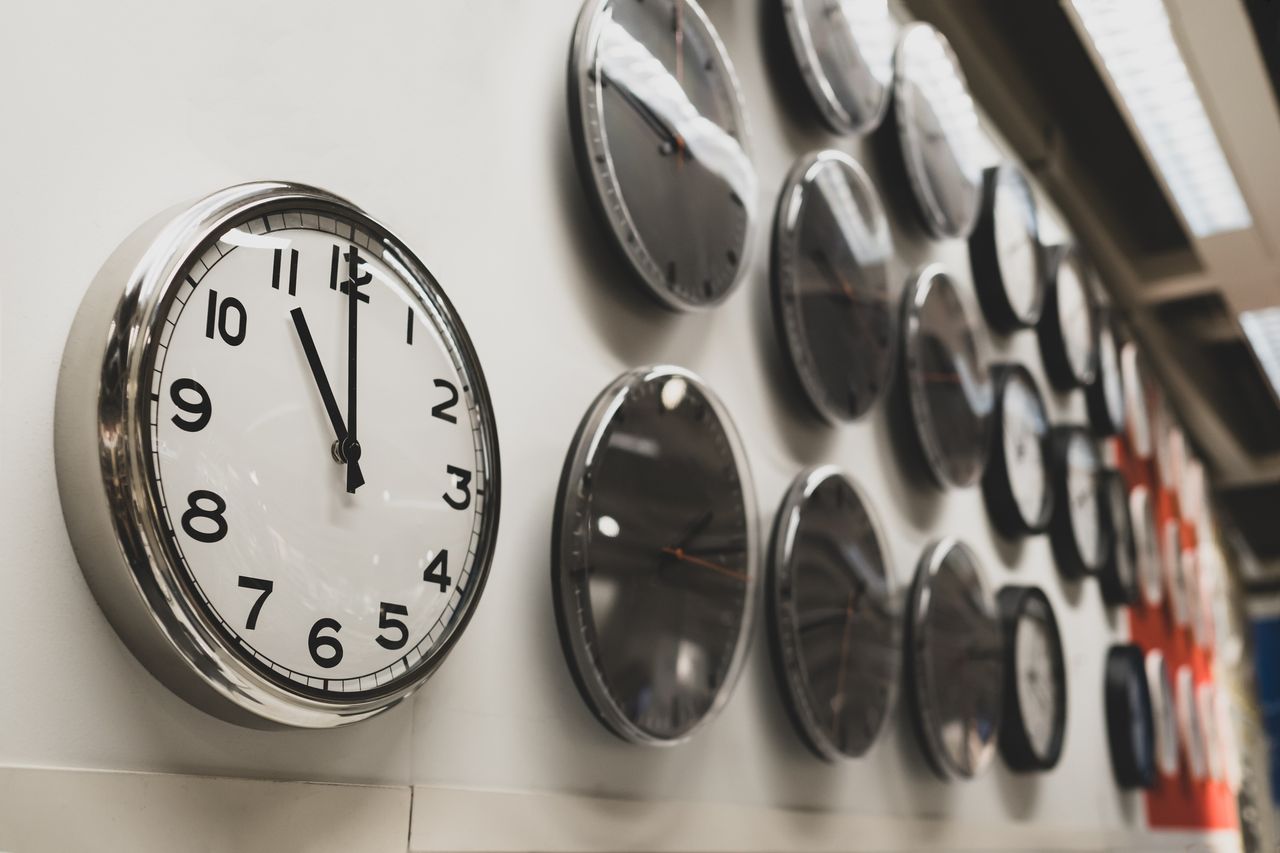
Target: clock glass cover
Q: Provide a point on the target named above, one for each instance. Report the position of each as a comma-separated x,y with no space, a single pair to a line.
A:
1005,251
1146,536
831,295
1035,694
948,383
660,139
938,131
1077,532
1162,710
1175,572
1105,396
1068,329
1135,396
1130,726
835,616
1016,481
1190,728
845,52
1119,575
955,661
305,463
1206,707
654,555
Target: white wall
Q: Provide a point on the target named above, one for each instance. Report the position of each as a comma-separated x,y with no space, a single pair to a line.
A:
114,111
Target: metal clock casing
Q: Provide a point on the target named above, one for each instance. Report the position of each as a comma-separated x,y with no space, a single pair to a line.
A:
1076,530
1034,723
660,138
114,400
1019,499
832,304
1008,268
835,615
1068,326
654,556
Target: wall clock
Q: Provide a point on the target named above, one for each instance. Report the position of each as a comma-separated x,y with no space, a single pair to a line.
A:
1206,701
845,53
1130,726
1163,713
1005,251
948,384
654,555
1105,396
661,143
279,543
955,661
1076,530
1190,726
1034,723
1135,395
1068,328
1146,537
1175,572
1162,427
1118,576
834,615
831,300
937,128
1204,620
1016,481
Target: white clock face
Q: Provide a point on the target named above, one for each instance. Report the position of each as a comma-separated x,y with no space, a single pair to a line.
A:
1175,573
1147,538
1162,712
318,454
1189,725
1135,392
1024,429
1037,683
1075,314
1016,246
1085,509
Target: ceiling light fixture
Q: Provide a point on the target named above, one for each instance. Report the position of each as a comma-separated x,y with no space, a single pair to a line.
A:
1262,328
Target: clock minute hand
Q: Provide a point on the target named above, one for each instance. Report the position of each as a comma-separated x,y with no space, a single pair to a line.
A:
351,447
326,393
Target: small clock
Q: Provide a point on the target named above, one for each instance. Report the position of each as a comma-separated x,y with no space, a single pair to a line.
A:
1190,726
1077,531
955,661
1005,251
660,139
1146,537
845,52
1137,415
1130,726
1105,396
1206,706
1163,713
1034,723
1068,328
1162,430
937,128
1204,621
1016,482
654,556
834,614
1175,573
831,298
277,457
1118,576
948,384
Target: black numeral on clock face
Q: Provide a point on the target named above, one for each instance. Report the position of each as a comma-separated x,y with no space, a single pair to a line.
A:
316,642
262,586
196,502
228,319
441,410
463,485
276,263
385,621
438,570
201,408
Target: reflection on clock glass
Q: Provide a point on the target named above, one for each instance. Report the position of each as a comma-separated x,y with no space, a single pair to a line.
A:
661,140
836,617
1084,490
656,570
1076,316
1017,243
1025,427
1038,676
831,284
318,453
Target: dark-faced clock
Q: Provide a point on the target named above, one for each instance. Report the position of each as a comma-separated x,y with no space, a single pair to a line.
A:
1130,726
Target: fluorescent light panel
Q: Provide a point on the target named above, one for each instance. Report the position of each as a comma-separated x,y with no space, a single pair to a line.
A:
1136,44
1262,328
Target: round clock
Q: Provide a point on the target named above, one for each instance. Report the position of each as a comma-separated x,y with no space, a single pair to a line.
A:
1137,415
1175,572
948,384
1105,396
1016,482
279,543
1204,622
1146,535
834,615
845,52
1077,531
955,661
937,127
654,556
1035,684
1068,328
1005,251
1130,726
1162,429
1163,713
660,139
1206,707
1119,574
1190,726
831,300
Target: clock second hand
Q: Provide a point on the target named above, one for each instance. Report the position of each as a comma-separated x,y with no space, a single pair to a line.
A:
326,393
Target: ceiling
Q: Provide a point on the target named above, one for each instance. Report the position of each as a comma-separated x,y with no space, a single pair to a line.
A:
1179,295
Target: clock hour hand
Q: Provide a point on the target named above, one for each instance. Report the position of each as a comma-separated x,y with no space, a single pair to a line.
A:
354,474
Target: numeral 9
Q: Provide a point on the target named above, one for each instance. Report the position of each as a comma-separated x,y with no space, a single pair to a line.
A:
201,408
